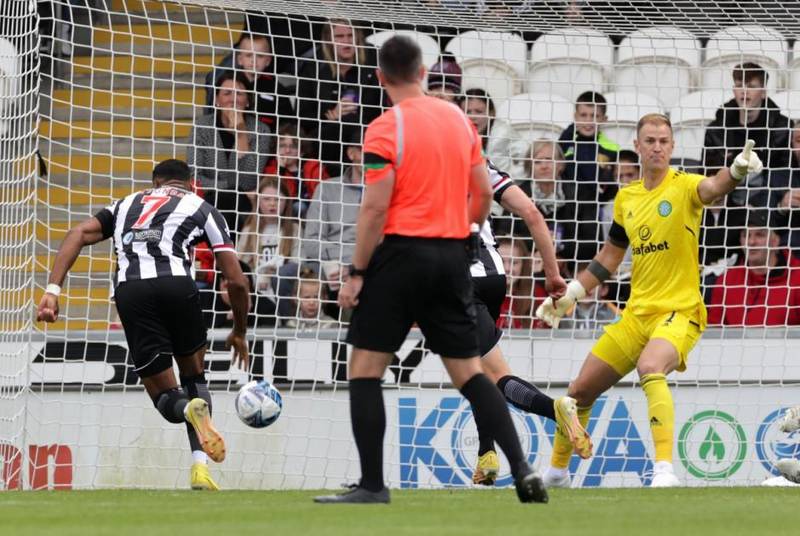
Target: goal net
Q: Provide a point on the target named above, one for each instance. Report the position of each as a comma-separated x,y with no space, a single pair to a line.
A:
105,89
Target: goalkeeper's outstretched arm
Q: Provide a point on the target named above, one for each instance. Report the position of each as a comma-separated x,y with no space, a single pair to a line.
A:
600,269
727,179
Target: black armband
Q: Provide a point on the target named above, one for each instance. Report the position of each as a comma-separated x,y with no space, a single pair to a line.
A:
618,236
599,271
106,219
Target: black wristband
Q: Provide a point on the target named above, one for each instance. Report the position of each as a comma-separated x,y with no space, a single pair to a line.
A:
352,270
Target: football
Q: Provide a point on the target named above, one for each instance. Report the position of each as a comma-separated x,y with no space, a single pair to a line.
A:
259,404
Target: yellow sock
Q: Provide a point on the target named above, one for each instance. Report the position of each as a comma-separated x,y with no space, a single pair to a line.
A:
661,412
562,448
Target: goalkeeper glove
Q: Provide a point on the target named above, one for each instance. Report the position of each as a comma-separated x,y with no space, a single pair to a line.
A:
551,311
746,162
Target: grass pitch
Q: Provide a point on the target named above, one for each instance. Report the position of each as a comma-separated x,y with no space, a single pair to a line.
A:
677,512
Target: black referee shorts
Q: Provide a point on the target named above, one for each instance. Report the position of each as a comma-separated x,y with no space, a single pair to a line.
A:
422,280
489,291
162,318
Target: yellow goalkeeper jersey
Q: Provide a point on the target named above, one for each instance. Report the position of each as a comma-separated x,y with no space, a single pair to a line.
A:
663,228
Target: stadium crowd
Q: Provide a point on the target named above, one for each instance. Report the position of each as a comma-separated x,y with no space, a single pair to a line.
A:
278,152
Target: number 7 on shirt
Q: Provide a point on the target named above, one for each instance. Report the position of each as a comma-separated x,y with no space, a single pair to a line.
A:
151,205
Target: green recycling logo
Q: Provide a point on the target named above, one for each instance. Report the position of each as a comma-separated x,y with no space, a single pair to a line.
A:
712,445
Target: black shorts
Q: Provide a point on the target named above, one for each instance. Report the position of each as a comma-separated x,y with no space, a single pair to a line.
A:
161,318
422,280
490,291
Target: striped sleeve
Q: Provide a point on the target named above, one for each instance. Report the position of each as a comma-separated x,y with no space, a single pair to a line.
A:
499,180
216,231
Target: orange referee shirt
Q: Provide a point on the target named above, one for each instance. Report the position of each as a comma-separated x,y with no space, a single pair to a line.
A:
431,146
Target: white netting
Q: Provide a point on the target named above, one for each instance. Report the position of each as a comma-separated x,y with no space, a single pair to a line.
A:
124,86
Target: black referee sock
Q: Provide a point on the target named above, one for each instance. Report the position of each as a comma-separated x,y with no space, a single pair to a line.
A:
196,387
368,419
491,413
526,397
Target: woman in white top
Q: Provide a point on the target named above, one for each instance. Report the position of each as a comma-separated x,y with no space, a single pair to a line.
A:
269,240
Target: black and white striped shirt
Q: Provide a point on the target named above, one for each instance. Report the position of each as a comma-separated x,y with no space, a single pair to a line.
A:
490,261
154,231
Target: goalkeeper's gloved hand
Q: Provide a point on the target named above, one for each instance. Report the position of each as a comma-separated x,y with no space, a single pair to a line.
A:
551,311
746,162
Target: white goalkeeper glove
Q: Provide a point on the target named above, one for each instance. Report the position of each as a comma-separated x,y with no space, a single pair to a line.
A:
746,162
551,311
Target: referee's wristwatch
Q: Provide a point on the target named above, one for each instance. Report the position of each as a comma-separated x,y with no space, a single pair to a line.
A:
352,270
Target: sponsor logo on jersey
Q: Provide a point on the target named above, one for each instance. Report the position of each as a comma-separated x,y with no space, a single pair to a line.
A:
664,208
127,238
147,235
650,247
645,233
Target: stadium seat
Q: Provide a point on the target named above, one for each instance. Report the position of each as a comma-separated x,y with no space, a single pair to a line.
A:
739,44
689,119
658,61
430,48
793,70
493,61
789,103
9,78
570,61
624,111
537,115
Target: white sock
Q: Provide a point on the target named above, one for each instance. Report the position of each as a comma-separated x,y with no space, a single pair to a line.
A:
663,467
200,457
558,472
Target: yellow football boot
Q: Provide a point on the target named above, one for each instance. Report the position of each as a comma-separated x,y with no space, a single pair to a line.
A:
486,472
201,479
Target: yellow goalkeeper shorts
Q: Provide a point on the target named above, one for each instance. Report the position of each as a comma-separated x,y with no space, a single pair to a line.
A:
624,340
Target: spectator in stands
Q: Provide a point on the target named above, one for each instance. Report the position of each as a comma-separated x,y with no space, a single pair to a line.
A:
270,243
338,89
589,156
765,289
228,148
523,294
553,196
750,114
310,316
330,224
501,143
626,171
444,79
216,304
593,310
252,56
296,166
784,187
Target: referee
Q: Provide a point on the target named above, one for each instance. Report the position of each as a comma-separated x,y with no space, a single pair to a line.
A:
154,231
426,181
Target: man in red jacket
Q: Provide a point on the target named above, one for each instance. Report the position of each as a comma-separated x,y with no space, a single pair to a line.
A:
765,289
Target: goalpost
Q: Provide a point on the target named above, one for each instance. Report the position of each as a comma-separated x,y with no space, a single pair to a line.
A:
105,89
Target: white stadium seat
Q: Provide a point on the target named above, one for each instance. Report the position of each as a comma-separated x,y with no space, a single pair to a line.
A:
789,103
623,111
658,61
793,70
493,61
731,46
690,116
537,115
10,87
430,48
570,61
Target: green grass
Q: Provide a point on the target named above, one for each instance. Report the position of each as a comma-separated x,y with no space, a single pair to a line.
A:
677,512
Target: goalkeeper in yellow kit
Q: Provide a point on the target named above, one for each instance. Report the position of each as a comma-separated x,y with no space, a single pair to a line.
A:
659,217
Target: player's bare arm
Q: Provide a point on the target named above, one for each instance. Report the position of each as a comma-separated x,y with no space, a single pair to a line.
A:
86,233
369,231
480,194
515,201
727,179
239,294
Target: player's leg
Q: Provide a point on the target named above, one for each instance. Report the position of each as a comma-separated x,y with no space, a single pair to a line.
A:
673,336
520,393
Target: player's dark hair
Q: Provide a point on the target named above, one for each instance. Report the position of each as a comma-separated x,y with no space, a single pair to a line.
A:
399,59
743,73
172,170
626,156
594,98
